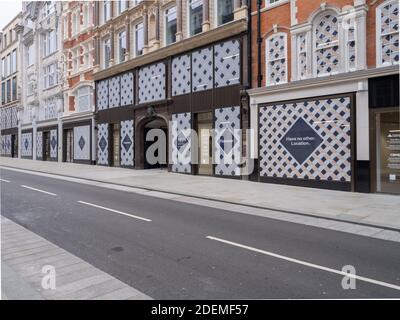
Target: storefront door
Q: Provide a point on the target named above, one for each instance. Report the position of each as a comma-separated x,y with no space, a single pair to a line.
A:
69,145
46,145
14,146
116,145
387,157
204,132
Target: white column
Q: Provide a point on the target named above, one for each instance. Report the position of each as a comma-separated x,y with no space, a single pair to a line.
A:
362,121
94,141
34,133
254,126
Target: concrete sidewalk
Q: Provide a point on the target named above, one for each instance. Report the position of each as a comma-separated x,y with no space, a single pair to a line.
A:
371,209
23,256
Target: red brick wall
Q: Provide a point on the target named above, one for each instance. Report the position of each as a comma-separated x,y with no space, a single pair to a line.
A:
281,17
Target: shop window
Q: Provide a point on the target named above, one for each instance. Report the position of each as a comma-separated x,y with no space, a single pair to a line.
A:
387,24
181,75
195,13
152,83
276,56
224,11
227,63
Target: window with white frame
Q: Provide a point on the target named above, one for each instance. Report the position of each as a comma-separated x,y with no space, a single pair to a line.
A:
75,59
48,9
122,6
326,46
50,110
86,55
170,25
195,14
139,39
75,23
14,61
30,55
302,55
49,76
106,11
86,15
3,68
224,11
30,85
84,94
270,3
65,27
121,46
49,42
351,52
387,25
106,52
276,59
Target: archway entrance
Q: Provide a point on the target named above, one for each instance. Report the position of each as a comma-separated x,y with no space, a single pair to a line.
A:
144,145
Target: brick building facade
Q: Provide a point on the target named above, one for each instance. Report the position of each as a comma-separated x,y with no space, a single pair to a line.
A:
320,70
78,85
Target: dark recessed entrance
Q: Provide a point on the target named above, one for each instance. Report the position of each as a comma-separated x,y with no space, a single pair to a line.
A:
146,142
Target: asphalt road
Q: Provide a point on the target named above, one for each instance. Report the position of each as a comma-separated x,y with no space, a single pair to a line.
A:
173,250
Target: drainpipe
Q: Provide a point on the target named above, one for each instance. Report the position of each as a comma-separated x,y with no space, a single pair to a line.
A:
259,41
249,45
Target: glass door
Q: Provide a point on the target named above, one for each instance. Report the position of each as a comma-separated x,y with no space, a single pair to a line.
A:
69,145
204,132
388,151
116,145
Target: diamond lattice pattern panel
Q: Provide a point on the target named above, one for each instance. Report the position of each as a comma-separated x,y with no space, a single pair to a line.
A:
102,148
152,83
181,143
181,75
127,143
82,143
228,137
227,63
306,140
202,69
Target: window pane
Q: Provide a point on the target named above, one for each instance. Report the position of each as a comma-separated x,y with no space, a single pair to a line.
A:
139,39
170,25
225,11
196,16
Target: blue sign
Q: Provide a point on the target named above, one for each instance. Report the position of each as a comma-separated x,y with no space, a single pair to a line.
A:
301,140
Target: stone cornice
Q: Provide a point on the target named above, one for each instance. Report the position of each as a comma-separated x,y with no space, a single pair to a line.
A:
342,77
202,39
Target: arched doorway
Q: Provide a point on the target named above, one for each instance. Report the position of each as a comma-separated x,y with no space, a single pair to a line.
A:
143,129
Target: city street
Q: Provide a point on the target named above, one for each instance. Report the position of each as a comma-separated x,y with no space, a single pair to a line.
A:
173,250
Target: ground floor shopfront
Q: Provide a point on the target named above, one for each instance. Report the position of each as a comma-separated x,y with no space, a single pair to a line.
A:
9,142
326,134
68,140
78,139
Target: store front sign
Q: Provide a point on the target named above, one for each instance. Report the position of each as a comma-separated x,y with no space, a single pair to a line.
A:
301,140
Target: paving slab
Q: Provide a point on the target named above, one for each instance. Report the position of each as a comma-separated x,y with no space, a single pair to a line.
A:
22,268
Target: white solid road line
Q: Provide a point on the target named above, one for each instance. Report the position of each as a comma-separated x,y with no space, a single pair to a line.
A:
116,211
38,190
308,264
4,180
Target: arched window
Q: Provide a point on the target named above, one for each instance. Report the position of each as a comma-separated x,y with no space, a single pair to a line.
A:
387,25
276,59
326,44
